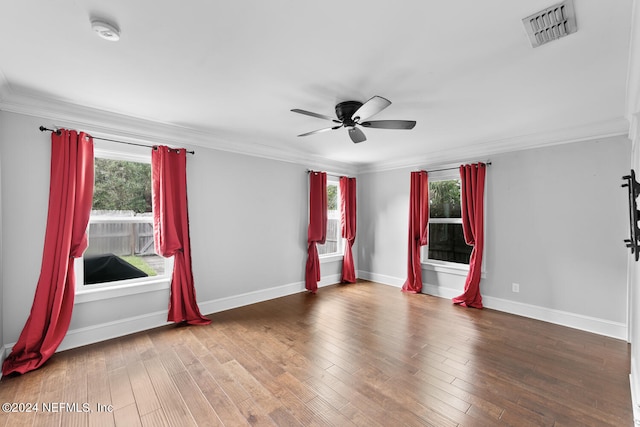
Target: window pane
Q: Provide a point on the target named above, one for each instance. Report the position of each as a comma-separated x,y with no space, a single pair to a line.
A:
332,242
444,199
446,243
120,250
121,225
122,185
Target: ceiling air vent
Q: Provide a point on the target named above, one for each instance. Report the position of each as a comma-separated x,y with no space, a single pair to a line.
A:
551,23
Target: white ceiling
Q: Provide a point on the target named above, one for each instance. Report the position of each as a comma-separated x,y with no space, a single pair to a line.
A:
464,70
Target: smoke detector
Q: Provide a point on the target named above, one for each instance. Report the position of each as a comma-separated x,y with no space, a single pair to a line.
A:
551,23
105,30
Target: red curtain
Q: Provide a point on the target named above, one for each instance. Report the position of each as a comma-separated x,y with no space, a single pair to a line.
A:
317,232
418,229
70,199
171,230
348,223
472,179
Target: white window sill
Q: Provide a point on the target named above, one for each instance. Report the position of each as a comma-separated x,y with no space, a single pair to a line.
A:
98,292
449,268
331,258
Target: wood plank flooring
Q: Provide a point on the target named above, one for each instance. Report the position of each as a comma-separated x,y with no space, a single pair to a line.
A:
363,354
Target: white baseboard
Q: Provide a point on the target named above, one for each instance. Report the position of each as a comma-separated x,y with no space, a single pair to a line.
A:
558,317
635,406
105,331
635,391
241,300
381,278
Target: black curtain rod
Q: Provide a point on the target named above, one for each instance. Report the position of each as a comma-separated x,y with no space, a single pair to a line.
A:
57,132
333,174
434,170
450,169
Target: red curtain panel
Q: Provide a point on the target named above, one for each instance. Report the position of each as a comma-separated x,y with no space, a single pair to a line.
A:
348,223
418,229
472,178
70,199
171,230
317,231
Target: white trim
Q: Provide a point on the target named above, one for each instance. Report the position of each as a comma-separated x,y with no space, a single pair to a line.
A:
558,317
615,126
112,125
339,254
572,320
108,290
108,124
451,268
103,219
114,329
119,288
114,151
451,173
448,267
635,391
381,278
331,258
235,301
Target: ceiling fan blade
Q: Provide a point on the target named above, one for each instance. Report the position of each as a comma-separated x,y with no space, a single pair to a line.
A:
370,108
313,132
390,124
357,135
319,116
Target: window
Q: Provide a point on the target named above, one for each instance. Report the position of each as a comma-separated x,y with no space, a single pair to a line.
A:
120,233
333,244
446,238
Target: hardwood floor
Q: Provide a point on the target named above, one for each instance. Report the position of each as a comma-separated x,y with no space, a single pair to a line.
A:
363,354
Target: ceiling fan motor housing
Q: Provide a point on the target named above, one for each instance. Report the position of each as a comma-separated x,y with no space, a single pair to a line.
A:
353,113
345,110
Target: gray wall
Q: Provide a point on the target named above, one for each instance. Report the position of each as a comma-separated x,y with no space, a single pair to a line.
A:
383,217
555,220
248,222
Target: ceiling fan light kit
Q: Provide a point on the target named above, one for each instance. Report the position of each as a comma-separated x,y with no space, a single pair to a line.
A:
354,113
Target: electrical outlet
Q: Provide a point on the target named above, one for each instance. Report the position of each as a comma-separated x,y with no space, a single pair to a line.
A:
515,287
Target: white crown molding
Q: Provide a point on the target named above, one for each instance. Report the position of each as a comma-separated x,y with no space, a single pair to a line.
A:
108,124
482,150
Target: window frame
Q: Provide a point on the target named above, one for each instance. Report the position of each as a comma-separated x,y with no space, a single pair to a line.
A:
114,289
338,255
448,266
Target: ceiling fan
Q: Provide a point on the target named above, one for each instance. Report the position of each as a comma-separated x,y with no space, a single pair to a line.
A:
353,113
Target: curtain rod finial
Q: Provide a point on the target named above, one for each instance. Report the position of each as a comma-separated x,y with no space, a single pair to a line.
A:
44,129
